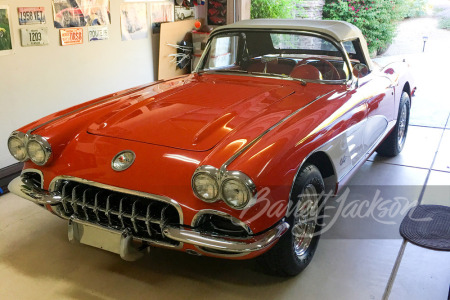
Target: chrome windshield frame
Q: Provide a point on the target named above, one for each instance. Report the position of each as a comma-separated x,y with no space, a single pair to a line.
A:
339,46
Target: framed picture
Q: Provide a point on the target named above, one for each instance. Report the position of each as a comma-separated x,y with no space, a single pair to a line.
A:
5,31
184,9
133,20
161,12
217,12
79,13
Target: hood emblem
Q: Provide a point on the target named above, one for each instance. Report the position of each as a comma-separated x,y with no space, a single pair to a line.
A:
123,160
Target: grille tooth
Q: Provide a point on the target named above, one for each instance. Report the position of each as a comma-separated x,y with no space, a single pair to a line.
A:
64,197
120,215
108,210
147,220
133,216
146,217
83,206
95,209
164,219
74,200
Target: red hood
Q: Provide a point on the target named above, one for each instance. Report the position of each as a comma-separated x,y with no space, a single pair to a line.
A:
196,117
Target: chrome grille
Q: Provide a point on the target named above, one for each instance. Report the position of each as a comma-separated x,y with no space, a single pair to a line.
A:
145,217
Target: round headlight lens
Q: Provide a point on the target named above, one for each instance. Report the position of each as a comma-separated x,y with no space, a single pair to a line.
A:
205,187
235,193
36,152
17,148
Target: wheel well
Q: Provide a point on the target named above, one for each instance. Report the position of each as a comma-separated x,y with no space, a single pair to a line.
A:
323,163
407,88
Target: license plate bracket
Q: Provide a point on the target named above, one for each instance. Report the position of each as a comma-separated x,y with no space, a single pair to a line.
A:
115,241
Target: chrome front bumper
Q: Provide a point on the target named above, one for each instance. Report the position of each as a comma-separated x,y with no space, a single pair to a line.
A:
221,244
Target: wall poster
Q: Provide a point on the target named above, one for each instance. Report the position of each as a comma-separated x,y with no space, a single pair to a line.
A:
71,36
34,36
217,12
31,15
77,13
5,31
184,9
133,20
161,13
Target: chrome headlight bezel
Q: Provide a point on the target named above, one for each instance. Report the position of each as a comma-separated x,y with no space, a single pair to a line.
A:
211,172
45,146
222,177
244,180
22,137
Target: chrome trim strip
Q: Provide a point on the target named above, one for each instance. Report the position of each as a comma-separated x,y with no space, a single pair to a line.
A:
223,168
234,220
120,190
233,245
93,104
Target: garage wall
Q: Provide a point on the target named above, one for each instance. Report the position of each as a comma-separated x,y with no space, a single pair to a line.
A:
37,81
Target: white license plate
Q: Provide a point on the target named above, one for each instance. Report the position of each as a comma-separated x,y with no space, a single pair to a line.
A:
95,236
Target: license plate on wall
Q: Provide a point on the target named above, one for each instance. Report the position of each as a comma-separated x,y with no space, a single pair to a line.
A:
71,36
34,37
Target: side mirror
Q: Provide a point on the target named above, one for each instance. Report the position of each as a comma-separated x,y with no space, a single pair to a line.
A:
360,70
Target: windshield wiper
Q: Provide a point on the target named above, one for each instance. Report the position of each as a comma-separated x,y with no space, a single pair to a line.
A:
303,82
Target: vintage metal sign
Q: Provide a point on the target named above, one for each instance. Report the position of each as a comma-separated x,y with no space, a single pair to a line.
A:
31,15
96,33
71,36
34,37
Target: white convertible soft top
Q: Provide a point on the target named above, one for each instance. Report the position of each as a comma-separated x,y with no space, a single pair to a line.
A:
339,30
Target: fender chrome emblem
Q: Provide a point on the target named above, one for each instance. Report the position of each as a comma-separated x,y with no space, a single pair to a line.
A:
123,160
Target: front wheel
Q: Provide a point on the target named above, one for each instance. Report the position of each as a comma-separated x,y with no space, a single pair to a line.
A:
395,142
296,248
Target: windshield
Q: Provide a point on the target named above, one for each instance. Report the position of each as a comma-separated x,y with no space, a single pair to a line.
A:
283,54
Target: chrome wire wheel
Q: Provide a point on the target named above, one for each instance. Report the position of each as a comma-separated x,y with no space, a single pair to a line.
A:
305,220
402,126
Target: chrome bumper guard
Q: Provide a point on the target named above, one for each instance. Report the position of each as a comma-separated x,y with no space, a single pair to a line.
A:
25,189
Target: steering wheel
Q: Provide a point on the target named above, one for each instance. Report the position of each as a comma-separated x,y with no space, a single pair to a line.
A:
333,68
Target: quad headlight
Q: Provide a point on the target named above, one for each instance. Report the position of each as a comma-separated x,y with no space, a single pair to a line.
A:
17,142
233,187
35,147
205,184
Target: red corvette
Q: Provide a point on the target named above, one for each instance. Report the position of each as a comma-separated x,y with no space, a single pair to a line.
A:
231,161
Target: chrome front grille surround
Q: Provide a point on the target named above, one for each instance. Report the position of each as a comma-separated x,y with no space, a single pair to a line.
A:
117,209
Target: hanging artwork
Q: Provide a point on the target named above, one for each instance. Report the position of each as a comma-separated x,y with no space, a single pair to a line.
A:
133,20
5,31
31,15
161,13
184,9
217,12
77,13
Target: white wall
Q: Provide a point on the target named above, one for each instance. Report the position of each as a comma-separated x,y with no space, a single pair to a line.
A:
37,81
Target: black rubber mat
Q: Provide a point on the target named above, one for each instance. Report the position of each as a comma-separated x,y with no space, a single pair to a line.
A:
428,226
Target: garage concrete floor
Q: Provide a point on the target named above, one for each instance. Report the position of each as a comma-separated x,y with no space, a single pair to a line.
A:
358,258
